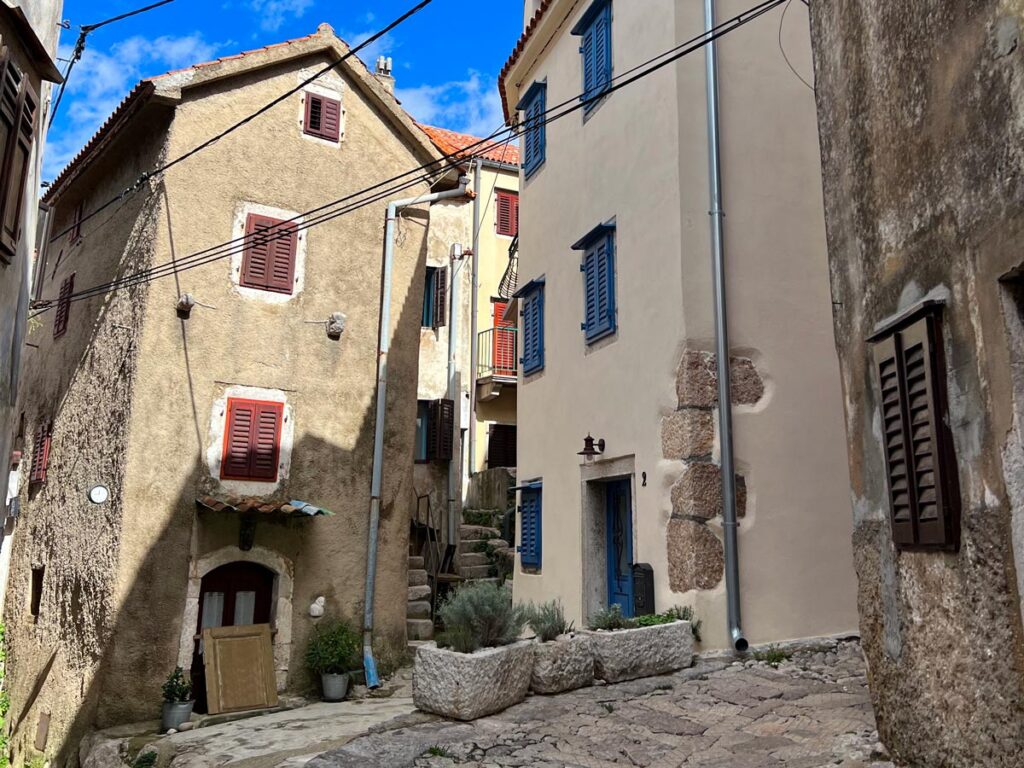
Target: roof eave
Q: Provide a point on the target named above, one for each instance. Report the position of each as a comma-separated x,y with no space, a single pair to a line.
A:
44,63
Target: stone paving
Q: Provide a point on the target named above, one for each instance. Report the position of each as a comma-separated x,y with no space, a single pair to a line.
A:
811,710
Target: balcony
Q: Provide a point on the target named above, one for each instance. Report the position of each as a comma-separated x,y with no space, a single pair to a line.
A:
497,361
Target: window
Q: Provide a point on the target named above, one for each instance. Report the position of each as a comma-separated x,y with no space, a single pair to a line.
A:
252,440
598,268
76,224
920,465
595,29
268,262
323,117
532,105
35,598
435,428
533,329
501,446
507,215
435,297
60,317
17,130
40,454
530,528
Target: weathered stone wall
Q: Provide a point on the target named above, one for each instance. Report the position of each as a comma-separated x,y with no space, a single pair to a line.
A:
919,109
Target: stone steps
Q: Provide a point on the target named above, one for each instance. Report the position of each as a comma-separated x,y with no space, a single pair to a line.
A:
412,645
468,559
418,609
419,629
419,593
415,563
418,578
477,532
475,572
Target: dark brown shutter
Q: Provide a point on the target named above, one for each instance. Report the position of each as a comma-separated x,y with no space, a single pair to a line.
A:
18,114
252,440
920,462
323,117
442,428
268,262
501,446
895,439
40,454
440,296
76,224
60,317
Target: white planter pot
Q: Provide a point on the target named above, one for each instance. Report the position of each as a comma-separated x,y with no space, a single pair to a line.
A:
626,654
466,686
334,686
564,664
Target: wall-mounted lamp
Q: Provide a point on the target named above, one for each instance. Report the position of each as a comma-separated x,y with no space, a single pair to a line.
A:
458,252
184,306
591,448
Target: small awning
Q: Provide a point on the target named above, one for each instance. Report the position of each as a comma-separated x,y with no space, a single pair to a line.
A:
529,288
242,504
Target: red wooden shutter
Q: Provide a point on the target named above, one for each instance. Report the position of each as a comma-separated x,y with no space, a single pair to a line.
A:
40,454
252,440
507,216
503,351
440,296
323,117
60,318
268,262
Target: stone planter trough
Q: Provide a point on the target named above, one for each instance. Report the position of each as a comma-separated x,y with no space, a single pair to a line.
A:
563,664
465,686
626,654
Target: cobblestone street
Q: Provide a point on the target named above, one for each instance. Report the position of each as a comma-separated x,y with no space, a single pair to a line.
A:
811,710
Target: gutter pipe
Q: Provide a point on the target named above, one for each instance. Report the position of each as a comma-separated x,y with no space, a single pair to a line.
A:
383,346
474,346
729,525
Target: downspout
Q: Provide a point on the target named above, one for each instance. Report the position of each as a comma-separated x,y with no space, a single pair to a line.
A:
729,526
474,342
383,345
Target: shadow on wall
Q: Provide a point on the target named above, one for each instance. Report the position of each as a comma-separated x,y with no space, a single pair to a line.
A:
116,642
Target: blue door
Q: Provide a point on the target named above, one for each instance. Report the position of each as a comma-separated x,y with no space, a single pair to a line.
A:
619,532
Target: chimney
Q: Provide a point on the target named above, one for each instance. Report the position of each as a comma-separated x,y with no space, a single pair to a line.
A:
383,74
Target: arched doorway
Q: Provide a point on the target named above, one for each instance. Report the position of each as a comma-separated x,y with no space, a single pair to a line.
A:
231,595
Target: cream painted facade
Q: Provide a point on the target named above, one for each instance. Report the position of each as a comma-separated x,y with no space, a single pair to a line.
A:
640,157
106,597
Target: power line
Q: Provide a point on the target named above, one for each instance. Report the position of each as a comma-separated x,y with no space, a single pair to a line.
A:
247,119
782,50
79,49
488,144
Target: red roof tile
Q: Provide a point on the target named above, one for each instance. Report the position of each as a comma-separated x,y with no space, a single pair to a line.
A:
456,144
517,52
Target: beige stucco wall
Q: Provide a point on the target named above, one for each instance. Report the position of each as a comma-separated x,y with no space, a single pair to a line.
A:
651,175
146,547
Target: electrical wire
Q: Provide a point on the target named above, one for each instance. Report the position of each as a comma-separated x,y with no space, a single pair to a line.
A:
782,50
238,245
248,118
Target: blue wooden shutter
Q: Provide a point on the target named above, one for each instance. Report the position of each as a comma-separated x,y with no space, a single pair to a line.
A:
533,331
599,288
534,135
530,528
603,49
595,52
587,49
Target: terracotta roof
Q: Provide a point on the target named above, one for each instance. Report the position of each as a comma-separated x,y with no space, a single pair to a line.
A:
241,55
452,143
517,52
242,504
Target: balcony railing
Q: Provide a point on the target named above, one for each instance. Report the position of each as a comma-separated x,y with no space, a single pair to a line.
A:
496,353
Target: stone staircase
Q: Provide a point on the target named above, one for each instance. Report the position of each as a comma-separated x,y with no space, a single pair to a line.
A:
483,554
418,624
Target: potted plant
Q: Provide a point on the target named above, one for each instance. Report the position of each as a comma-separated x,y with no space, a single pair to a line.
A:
333,651
562,659
178,700
482,669
625,649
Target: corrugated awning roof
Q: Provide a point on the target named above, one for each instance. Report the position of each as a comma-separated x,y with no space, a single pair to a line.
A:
257,505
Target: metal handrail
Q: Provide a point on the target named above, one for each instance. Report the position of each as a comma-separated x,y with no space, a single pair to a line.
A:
497,353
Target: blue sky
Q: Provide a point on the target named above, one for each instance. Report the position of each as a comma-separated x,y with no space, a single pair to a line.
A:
446,58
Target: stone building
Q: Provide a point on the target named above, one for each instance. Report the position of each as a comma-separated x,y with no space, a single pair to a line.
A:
919,109
618,325
28,47
178,423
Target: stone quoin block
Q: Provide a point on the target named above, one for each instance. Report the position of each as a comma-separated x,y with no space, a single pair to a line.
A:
698,492
697,380
688,434
696,559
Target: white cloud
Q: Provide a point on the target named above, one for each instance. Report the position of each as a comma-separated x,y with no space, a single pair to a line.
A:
471,106
101,79
384,46
276,12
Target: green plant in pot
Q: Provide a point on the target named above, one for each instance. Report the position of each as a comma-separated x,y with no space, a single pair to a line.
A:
333,651
178,701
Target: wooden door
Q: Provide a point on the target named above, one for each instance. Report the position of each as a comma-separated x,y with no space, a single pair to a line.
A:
620,546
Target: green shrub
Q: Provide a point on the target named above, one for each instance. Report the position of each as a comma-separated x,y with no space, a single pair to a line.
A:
391,655
334,648
485,517
547,620
772,656
611,618
177,687
481,615
145,760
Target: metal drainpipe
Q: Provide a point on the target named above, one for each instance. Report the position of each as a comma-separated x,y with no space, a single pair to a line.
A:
729,525
474,341
383,345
